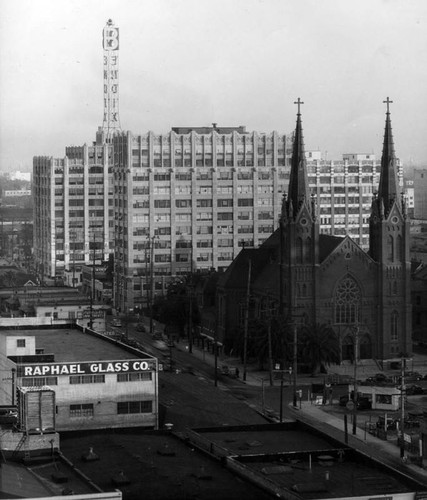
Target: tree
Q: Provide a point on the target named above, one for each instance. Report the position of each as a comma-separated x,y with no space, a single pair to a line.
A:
174,309
319,346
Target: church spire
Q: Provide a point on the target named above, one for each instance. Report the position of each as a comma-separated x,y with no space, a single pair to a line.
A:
388,187
298,183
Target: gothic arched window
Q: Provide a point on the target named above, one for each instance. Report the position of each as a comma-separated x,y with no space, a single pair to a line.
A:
390,248
399,247
347,301
307,250
299,251
394,325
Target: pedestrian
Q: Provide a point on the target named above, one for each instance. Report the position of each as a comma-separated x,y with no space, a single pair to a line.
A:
237,373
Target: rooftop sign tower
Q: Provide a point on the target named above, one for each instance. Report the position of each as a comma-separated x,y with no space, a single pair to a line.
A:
110,44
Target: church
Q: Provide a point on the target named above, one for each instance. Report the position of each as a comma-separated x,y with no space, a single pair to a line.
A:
314,278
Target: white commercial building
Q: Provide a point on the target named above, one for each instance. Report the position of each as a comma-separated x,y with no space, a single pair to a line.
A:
91,381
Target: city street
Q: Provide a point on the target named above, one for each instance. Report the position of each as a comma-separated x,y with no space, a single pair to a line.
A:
188,396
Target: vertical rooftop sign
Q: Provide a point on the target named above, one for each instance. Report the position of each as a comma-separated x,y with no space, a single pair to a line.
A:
110,44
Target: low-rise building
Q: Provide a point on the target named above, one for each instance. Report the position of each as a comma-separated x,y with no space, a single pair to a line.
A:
93,381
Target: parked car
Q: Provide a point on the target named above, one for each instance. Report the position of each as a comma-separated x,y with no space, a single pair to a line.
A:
412,377
391,423
413,390
140,328
116,322
363,403
379,379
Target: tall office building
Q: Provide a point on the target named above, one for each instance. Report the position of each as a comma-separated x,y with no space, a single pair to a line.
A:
190,200
73,210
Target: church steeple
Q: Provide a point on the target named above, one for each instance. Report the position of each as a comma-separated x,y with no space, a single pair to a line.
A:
298,183
388,188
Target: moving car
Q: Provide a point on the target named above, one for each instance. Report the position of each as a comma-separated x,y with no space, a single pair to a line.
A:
161,345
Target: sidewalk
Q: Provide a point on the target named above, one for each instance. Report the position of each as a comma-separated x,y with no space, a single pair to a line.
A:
254,376
384,451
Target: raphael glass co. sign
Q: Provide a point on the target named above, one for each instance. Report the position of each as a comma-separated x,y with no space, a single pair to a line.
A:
88,368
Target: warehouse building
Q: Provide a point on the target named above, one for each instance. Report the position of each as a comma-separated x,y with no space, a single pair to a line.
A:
74,379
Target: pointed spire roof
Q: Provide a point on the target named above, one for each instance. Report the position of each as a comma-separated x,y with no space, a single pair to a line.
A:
388,191
298,183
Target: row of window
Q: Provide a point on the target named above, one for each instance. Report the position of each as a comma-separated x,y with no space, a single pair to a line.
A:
123,408
86,379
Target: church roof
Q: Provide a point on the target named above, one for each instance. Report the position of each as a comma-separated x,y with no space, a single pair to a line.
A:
265,261
236,275
298,191
327,245
388,190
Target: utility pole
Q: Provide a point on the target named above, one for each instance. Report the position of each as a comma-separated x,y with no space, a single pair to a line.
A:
92,293
190,318
245,338
270,353
152,282
355,389
74,259
402,408
295,364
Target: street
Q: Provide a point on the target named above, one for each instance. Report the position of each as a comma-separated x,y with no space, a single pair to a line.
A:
188,396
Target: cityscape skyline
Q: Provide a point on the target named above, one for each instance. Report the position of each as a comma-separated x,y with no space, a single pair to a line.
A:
203,62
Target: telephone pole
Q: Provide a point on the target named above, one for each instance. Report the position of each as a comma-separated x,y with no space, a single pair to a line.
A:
245,338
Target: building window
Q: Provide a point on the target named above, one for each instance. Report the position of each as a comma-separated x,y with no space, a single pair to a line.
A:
20,343
81,410
126,407
87,379
134,377
347,301
38,381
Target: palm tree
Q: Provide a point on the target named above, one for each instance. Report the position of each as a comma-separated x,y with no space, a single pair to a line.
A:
319,346
281,339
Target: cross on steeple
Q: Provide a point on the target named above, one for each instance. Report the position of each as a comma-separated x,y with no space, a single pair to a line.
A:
299,102
388,102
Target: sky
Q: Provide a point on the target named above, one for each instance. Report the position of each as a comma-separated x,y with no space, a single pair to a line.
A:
233,62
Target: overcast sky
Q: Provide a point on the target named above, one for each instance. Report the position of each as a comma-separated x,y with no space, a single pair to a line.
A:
233,62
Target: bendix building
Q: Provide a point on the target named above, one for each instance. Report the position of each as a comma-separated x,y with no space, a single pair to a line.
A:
70,379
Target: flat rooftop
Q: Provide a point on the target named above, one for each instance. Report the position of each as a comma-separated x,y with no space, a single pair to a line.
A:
294,457
71,344
158,466
222,462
